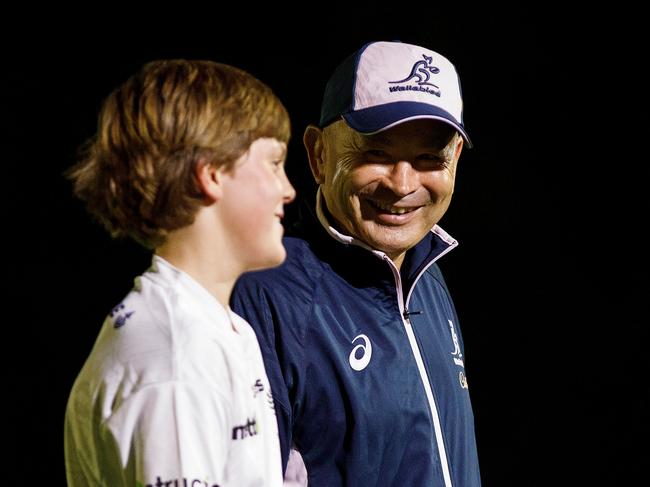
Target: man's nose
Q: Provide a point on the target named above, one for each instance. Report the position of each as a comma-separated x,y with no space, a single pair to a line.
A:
403,178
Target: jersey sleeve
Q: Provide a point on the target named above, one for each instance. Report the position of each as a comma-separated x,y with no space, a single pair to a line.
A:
173,431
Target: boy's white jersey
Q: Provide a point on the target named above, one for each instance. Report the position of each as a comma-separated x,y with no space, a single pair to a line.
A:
174,393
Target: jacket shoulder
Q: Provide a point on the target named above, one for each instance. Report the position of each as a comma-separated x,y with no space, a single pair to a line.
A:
273,299
434,272
295,277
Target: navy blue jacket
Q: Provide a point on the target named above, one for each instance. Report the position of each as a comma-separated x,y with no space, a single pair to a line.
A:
366,363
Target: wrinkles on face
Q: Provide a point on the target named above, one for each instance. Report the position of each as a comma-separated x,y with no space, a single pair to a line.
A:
398,168
342,168
448,154
339,183
368,179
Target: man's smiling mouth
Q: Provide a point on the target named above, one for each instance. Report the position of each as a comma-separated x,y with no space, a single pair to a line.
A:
393,210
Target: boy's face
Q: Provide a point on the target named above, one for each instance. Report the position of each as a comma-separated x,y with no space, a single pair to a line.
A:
255,191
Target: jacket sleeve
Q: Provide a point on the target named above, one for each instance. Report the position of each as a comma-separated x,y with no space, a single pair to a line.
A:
250,301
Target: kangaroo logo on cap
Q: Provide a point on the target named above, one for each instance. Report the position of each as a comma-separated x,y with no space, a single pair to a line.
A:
421,70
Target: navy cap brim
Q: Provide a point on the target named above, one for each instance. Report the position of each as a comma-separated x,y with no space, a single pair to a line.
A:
382,117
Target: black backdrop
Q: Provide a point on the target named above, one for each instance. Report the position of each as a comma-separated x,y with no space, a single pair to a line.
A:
549,210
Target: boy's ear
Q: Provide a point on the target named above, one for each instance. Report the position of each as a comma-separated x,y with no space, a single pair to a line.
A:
210,180
313,141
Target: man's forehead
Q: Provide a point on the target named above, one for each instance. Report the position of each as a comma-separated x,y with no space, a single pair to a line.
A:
380,138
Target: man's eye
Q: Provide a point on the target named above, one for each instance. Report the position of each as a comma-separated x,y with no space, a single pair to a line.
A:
430,157
433,159
432,162
376,153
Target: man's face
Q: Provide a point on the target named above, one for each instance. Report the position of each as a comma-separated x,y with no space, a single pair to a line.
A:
390,188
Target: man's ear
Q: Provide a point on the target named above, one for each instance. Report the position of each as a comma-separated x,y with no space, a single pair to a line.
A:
313,141
459,147
210,180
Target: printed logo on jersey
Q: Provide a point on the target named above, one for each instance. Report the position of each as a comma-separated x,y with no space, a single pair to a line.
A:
270,401
360,355
177,483
119,317
458,356
245,431
258,387
421,72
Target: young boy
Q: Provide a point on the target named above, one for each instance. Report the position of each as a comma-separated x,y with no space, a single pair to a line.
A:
188,160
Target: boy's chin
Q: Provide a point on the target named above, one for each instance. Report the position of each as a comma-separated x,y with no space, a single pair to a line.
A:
268,261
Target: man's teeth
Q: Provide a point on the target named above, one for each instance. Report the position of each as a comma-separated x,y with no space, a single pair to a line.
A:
395,210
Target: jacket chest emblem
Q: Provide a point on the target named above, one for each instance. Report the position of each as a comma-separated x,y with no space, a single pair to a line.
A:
456,354
360,355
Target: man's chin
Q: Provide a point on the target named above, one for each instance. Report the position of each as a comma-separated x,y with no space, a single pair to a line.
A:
390,248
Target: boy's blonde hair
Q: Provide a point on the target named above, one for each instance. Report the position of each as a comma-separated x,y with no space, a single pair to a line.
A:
137,175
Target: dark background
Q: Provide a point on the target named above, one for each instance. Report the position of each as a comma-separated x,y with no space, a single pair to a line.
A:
549,279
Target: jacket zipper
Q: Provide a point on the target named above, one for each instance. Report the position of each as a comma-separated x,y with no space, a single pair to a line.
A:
421,368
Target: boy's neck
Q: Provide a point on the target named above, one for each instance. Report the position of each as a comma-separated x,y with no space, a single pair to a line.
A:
203,256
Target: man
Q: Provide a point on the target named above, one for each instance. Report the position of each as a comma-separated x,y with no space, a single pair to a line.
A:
359,334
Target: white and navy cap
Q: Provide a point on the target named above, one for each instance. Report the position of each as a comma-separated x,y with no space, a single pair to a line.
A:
384,84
